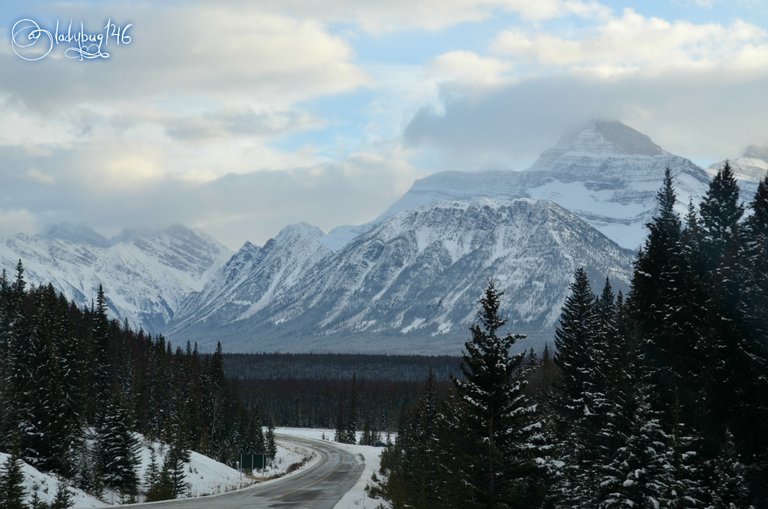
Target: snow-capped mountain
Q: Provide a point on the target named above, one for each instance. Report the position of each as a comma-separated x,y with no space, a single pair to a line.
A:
145,275
409,284
752,165
254,278
606,172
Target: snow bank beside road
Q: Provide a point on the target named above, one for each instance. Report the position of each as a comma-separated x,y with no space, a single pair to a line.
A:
357,497
204,475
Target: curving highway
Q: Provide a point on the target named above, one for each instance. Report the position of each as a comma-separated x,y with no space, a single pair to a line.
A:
320,486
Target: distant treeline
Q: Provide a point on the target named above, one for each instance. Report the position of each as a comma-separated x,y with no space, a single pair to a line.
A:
306,389
314,403
315,366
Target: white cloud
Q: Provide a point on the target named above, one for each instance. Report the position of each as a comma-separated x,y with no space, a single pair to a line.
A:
180,55
468,67
633,43
379,17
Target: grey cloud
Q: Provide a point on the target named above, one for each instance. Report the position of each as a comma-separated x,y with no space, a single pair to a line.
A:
700,116
233,208
227,123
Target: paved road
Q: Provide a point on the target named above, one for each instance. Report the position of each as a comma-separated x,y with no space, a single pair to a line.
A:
318,487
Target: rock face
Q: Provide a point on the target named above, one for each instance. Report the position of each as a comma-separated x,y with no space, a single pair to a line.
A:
146,275
253,279
410,284
606,173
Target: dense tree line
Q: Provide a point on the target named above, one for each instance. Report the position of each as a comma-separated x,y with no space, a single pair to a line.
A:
76,387
656,400
336,366
315,403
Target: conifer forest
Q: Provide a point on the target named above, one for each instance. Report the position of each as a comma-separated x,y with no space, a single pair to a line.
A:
654,399
77,387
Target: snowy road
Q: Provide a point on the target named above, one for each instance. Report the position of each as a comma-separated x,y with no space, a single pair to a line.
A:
320,486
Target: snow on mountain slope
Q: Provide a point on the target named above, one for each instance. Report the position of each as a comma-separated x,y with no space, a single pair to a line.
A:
253,278
606,172
749,169
412,282
145,275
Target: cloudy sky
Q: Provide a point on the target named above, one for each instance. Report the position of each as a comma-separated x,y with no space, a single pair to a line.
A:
241,117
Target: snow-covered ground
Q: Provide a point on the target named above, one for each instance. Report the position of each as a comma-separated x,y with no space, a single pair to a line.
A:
357,497
46,486
204,475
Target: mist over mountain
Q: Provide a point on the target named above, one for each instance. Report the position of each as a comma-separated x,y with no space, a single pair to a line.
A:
407,281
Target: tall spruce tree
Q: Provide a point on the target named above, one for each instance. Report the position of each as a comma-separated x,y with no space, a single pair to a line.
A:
494,414
665,310
577,395
721,211
117,451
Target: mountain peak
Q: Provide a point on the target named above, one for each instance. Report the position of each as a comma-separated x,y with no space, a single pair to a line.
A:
300,230
77,233
605,137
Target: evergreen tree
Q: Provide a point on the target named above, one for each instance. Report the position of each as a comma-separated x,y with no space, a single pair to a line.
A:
666,312
116,452
340,434
100,350
410,465
576,397
12,484
269,441
351,424
720,213
751,407
152,475
63,498
494,415
173,471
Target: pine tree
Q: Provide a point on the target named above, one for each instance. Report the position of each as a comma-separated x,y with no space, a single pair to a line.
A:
152,475
641,472
116,451
350,432
666,311
720,213
12,483
494,414
63,498
173,471
576,396
730,476
35,502
340,434
17,380
101,370
410,465
751,408
269,441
